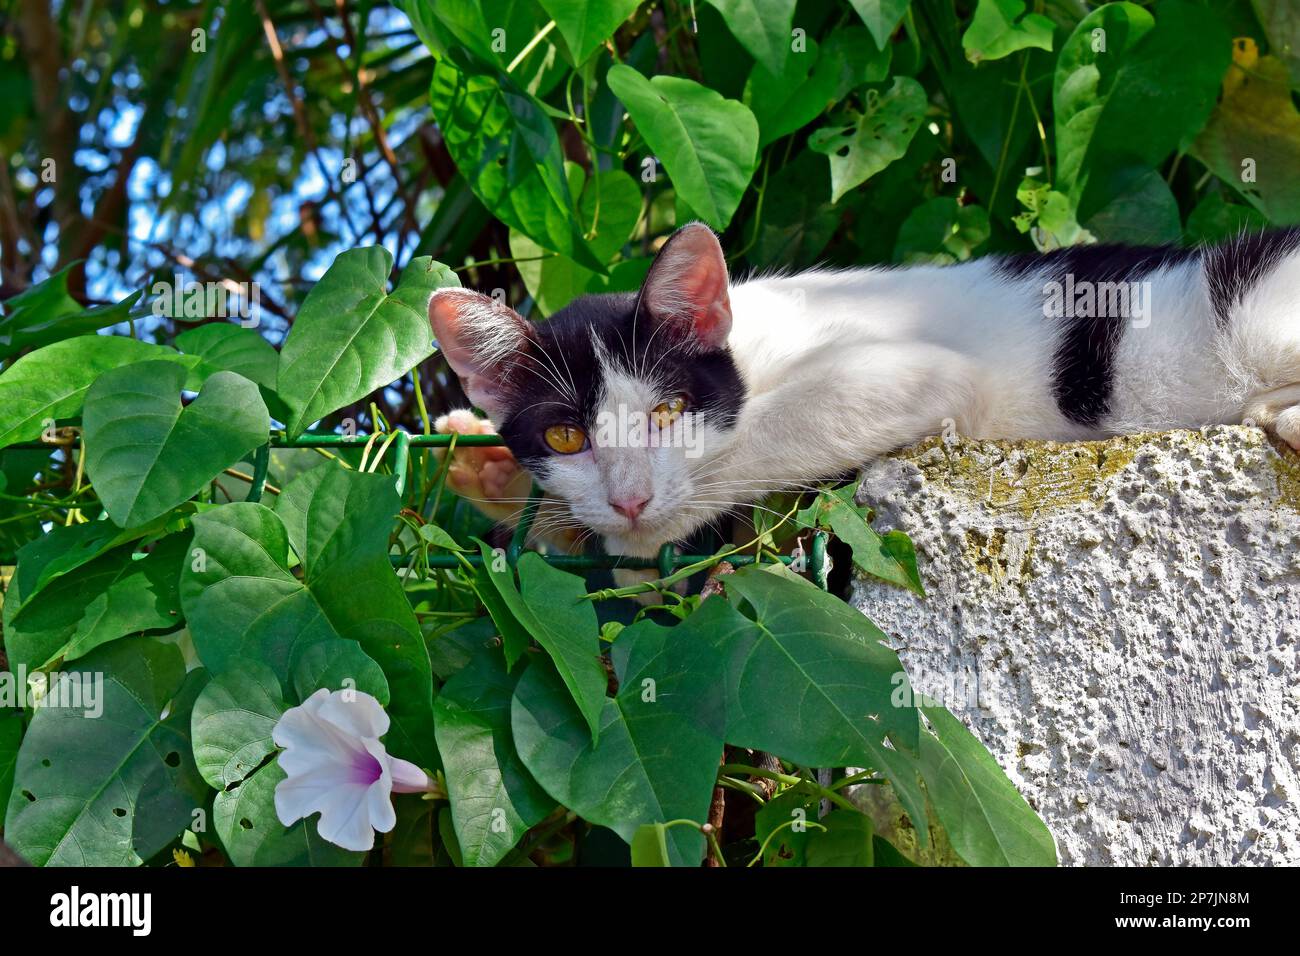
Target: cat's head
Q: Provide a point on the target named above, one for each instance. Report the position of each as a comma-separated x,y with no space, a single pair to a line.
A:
617,402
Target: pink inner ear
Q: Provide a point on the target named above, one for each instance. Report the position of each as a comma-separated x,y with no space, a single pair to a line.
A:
479,338
688,284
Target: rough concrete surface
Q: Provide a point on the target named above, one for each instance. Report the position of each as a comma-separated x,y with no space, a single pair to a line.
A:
1118,622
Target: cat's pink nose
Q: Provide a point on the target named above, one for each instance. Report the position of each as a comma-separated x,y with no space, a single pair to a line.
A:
629,507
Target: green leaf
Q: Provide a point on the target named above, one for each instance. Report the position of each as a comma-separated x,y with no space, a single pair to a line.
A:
610,206
505,145
586,24
111,788
861,145
253,835
231,348
881,17
941,231
1281,22
1147,92
232,723
1001,27
338,665
660,740
46,312
845,841
707,144
650,845
352,336
985,817
494,800
812,80
783,825
436,537
11,735
1214,219
549,604
146,454
514,634
62,550
242,601
51,383
108,598
810,679
890,556
762,27
1255,128
1141,209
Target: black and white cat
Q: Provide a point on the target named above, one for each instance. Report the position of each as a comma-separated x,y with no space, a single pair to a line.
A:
648,414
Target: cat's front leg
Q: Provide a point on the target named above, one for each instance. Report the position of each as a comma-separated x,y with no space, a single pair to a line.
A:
1278,412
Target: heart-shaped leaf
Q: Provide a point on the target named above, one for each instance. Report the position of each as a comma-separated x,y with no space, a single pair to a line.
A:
762,27
231,348
586,24
352,335
145,454
708,144
242,601
549,604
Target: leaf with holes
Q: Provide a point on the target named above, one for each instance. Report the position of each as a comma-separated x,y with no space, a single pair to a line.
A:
105,775
708,144
860,146
494,800
146,454
352,335
252,834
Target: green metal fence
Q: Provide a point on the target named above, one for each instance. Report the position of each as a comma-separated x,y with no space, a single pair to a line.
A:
401,442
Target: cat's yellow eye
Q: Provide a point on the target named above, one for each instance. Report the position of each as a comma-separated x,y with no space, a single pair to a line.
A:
665,413
566,439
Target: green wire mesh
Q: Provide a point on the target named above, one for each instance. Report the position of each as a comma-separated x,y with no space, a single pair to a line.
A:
665,563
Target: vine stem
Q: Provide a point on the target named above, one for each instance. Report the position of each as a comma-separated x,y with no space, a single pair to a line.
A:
532,45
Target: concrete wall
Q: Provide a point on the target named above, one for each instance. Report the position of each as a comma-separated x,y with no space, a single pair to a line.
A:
1119,623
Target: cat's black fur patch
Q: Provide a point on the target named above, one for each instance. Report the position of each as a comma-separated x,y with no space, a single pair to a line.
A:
1233,268
1083,364
563,344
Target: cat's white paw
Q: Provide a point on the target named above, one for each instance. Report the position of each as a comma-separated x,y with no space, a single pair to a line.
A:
1287,426
489,477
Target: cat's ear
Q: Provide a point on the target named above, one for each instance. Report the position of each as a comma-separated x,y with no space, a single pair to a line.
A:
481,339
687,286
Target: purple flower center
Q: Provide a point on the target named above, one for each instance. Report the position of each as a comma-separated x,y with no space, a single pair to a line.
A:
365,768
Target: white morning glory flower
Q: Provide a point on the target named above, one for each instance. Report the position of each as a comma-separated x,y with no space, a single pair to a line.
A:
336,766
